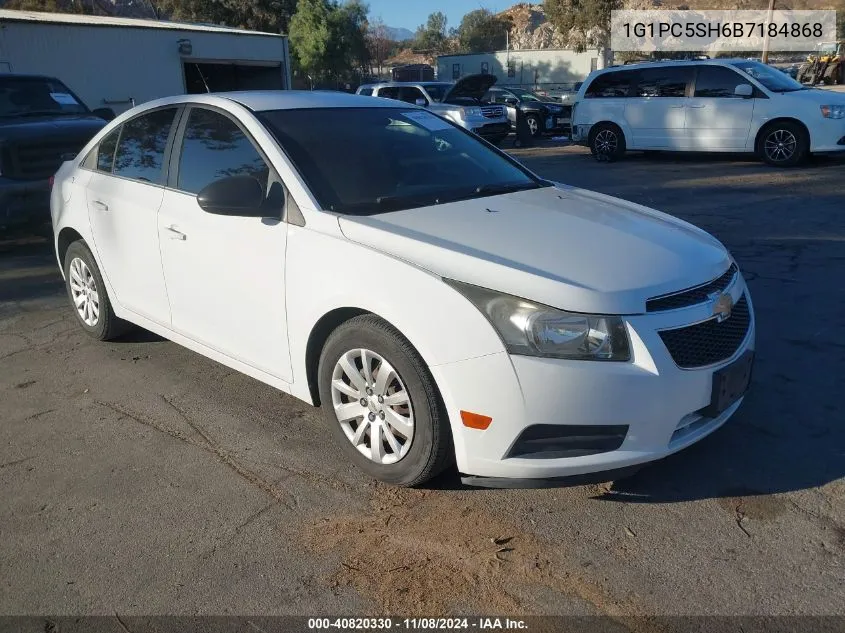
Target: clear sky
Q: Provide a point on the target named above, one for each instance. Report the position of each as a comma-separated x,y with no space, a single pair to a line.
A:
410,14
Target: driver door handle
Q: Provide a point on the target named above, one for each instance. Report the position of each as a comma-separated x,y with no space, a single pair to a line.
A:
176,234
99,204
697,105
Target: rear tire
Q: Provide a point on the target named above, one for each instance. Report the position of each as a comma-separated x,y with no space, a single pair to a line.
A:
607,139
88,296
783,144
414,441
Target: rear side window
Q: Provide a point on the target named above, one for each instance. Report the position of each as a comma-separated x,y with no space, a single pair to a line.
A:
389,92
214,147
668,81
101,158
718,81
609,85
140,151
367,92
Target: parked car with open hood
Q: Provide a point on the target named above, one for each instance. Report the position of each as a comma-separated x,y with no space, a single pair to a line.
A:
461,102
42,123
543,115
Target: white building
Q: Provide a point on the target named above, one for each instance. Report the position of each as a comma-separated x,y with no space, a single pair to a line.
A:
115,62
548,68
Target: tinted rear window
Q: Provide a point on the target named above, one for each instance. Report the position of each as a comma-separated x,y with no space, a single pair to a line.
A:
610,85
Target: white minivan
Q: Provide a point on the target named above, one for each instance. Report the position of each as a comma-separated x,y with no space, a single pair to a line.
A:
707,106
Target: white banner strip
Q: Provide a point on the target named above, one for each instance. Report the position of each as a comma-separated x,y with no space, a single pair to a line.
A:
720,31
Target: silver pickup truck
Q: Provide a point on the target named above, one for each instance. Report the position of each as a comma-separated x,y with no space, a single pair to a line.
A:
460,102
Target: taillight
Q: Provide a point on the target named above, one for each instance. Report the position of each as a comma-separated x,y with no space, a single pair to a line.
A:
51,181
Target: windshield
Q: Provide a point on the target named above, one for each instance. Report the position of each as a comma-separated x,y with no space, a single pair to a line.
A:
525,95
31,96
770,77
437,91
364,161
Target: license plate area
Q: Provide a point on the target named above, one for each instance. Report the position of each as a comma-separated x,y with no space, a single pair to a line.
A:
729,385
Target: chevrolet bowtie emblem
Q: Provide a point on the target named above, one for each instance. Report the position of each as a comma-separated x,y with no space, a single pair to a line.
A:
723,305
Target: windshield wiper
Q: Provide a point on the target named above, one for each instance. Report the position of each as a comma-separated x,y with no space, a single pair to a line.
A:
500,188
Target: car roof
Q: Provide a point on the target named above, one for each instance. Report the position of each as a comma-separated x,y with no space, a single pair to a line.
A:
671,62
28,76
422,84
262,100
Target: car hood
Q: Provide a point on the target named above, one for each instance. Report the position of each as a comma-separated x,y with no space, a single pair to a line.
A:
816,95
565,247
23,128
470,87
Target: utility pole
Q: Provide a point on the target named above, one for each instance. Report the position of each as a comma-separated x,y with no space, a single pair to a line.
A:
765,56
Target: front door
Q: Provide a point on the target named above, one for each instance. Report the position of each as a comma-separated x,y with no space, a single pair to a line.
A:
718,119
656,112
124,195
225,274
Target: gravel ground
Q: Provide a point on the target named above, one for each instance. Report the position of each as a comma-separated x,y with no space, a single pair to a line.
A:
140,478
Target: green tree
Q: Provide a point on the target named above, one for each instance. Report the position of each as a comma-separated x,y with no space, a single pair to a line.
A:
329,39
348,41
433,35
271,16
482,31
310,35
587,22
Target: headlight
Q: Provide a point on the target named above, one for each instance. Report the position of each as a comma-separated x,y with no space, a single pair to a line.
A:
833,111
468,112
532,329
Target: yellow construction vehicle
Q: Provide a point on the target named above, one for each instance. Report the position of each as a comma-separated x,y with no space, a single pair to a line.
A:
826,65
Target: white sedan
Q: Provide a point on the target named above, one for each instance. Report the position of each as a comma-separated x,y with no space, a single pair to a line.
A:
439,301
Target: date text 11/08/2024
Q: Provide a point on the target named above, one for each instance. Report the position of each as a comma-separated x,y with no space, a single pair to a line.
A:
417,624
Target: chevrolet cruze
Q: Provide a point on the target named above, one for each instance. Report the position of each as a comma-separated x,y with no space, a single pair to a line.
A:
437,300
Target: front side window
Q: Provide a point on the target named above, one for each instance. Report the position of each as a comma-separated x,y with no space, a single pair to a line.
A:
364,161
666,81
140,151
214,147
366,92
718,82
410,94
609,85
437,91
771,78
36,96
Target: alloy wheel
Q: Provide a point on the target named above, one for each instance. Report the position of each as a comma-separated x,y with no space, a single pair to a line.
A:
372,406
606,142
533,125
780,145
83,290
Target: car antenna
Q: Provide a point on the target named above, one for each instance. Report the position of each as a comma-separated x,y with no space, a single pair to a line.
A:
204,82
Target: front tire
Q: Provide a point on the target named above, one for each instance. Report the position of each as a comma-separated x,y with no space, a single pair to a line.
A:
607,139
533,122
381,403
88,296
783,144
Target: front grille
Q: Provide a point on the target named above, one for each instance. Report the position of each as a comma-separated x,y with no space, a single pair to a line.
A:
691,296
708,342
493,112
38,160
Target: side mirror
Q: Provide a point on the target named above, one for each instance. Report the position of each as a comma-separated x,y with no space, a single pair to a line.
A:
744,90
104,113
421,102
234,195
511,101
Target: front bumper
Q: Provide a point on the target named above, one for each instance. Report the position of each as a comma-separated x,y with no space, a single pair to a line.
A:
492,130
24,202
659,403
828,137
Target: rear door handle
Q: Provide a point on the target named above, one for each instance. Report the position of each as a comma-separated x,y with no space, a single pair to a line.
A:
699,105
99,204
176,234
676,106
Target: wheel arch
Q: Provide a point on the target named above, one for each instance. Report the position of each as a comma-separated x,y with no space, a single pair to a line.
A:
66,237
775,121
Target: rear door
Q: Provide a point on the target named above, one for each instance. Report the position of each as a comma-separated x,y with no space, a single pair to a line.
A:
717,119
656,112
124,195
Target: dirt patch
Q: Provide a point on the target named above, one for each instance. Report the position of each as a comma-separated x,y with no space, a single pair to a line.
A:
427,553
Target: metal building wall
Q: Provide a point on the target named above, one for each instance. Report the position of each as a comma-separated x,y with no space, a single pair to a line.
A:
108,65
